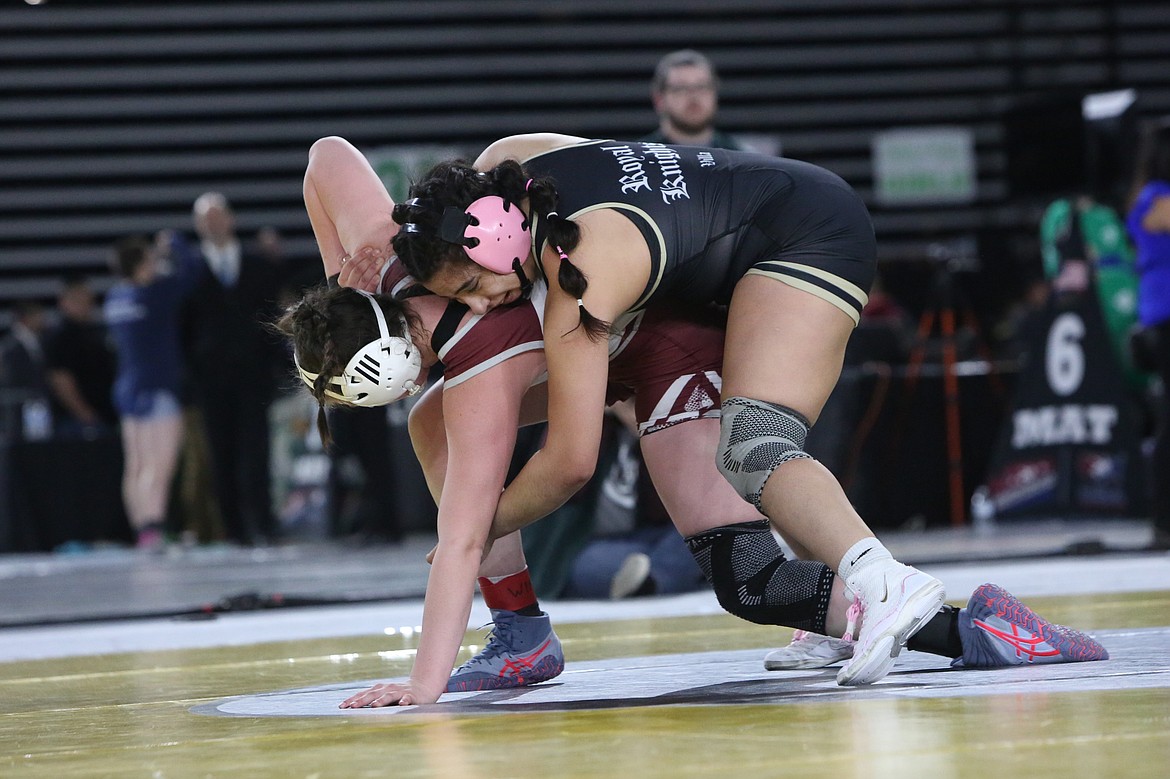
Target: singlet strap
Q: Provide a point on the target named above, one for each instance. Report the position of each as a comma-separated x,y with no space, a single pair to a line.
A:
447,325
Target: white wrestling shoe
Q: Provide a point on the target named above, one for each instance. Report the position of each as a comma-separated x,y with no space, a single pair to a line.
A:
893,601
808,650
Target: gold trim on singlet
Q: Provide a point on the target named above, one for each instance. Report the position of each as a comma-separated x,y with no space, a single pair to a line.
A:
655,272
820,292
534,218
846,286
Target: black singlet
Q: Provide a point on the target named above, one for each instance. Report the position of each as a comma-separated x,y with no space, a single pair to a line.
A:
710,215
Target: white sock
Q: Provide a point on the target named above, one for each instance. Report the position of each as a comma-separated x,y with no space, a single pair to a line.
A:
861,554
498,579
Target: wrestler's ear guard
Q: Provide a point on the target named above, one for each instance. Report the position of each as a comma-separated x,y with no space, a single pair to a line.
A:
493,231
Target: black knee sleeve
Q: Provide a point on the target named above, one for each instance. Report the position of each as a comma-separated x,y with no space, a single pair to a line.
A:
754,581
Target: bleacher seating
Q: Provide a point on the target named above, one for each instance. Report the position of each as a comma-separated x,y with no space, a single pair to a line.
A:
116,115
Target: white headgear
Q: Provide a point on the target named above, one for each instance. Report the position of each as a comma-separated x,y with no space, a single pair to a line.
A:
381,372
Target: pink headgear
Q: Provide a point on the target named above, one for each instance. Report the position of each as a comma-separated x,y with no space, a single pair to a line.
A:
493,232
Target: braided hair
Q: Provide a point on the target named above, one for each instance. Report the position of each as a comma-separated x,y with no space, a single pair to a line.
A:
326,328
456,183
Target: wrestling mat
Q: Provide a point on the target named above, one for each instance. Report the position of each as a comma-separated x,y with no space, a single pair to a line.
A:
1139,659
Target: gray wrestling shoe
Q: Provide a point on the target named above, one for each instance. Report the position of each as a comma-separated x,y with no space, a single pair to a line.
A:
520,651
997,630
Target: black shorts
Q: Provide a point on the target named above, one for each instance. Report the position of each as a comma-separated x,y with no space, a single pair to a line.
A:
826,245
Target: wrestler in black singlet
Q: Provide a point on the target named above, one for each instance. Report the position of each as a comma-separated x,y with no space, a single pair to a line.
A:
711,215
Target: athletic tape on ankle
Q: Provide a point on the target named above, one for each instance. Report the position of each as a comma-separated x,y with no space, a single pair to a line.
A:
510,593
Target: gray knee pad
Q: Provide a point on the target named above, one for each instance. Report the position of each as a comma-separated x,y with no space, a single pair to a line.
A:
754,581
755,438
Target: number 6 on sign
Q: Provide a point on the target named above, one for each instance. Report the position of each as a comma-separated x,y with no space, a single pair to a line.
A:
1064,357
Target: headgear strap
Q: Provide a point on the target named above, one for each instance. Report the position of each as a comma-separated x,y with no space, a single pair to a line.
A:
453,227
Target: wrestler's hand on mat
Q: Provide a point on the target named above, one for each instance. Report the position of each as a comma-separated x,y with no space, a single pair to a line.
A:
387,694
362,269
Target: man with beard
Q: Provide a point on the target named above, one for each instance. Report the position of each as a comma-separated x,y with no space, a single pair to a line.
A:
685,93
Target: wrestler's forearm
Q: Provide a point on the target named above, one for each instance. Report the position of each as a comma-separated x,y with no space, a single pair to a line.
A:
428,437
446,609
540,488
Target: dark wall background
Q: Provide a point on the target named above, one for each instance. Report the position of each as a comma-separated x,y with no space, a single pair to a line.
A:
114,116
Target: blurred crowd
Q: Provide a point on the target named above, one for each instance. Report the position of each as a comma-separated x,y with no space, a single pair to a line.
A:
178,368
175,369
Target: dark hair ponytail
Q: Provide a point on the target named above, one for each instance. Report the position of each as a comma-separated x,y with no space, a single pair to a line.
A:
306,325
564,235
326,328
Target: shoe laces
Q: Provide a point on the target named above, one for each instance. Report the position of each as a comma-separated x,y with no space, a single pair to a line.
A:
855,593
853,616
498,640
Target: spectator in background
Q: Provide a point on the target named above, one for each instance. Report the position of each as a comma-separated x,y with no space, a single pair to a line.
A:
80,365
685,93
599,544
142,312
22,370
297,272
1013,330
270,245
231,355
1149,225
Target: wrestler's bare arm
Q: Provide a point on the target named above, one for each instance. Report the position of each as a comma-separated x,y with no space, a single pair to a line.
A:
427,425
521,147
428,437
613,256
349,209
481,417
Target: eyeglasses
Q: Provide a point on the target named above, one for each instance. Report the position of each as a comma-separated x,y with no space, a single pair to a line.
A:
689,89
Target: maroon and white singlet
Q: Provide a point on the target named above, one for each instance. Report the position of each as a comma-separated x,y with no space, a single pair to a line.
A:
670,361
